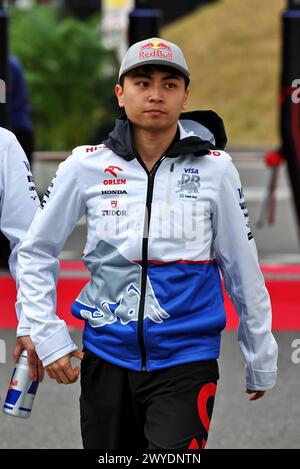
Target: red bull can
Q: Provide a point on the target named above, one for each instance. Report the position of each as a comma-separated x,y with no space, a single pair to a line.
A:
21,391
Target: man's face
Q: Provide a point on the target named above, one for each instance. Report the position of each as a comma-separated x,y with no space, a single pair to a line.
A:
152,99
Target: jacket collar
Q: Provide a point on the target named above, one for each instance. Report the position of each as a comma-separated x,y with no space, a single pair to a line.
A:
120,140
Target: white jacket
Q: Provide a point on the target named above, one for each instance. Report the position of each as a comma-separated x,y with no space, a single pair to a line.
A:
18,203
153,301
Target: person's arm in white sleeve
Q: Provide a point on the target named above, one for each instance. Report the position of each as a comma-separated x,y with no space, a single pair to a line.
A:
236,255
62,206
19,202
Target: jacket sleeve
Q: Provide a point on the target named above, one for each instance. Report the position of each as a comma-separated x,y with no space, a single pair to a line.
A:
19,202
62,206
236,255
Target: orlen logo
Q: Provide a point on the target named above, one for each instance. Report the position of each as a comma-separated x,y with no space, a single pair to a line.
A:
113,171
157,49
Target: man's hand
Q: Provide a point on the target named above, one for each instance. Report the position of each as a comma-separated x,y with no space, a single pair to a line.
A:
255,394
61,370
36,369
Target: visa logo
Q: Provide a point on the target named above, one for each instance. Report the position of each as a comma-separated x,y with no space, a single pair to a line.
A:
191,170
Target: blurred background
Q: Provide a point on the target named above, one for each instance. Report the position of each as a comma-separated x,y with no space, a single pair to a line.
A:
60,59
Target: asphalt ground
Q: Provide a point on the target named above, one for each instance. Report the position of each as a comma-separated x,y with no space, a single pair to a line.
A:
270,423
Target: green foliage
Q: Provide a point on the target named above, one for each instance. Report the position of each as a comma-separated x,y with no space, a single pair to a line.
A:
70,75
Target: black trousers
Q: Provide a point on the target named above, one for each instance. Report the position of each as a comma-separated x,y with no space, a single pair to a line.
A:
169,408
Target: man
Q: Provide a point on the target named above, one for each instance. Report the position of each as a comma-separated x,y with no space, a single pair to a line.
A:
19,107
165,208
20,124
18,204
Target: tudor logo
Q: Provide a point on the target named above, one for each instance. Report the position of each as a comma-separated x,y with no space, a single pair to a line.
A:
114,203
111,170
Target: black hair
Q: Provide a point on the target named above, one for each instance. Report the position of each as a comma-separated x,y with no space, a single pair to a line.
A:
162,68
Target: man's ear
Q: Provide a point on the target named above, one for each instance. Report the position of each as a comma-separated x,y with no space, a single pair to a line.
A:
185,102
119,94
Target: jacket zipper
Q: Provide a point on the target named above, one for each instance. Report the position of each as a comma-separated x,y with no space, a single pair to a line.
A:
170,183
150,186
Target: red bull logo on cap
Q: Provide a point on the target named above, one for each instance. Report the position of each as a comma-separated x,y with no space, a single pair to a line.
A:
156,49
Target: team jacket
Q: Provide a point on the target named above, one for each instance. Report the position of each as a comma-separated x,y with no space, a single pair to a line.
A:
18,203
155,243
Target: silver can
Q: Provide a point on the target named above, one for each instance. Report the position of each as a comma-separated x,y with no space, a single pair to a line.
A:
22,390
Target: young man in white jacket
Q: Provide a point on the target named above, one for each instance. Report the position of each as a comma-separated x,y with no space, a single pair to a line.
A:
165,210
18,204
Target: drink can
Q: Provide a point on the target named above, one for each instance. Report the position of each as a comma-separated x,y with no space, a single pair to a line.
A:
21,391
